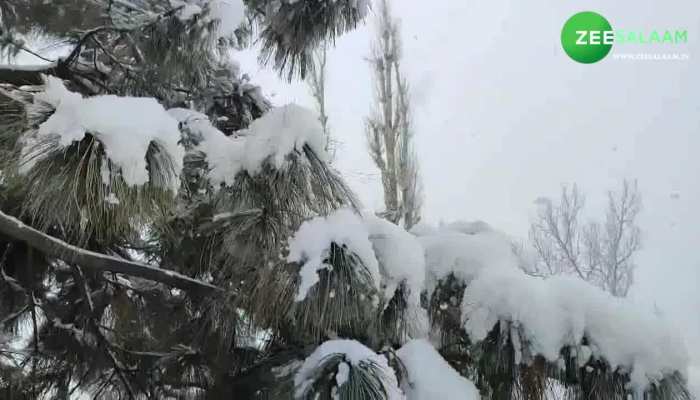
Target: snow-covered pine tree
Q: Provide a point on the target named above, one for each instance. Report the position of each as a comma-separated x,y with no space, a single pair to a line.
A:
166,233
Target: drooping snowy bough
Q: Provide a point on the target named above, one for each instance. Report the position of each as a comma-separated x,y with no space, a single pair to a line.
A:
267,142
566,327
507,331
97,165
345,369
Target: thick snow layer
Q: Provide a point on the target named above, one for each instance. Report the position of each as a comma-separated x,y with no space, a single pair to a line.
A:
400,255
125,126
279,132
448,252
225,154
546,314
310,245
187,116
355,354
270,138
550,313
431,377
393,255
559,311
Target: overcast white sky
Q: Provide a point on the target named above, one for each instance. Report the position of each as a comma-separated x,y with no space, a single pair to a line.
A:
503,116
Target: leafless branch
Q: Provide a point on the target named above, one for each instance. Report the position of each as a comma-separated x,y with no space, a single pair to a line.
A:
598,253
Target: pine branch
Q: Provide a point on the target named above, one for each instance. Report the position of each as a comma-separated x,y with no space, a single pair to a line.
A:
90,260
102,341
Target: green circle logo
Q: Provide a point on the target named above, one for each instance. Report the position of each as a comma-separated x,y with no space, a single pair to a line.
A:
587,37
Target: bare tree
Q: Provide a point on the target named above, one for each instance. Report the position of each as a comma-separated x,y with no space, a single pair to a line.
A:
316,80
618,239
599,252
388,128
